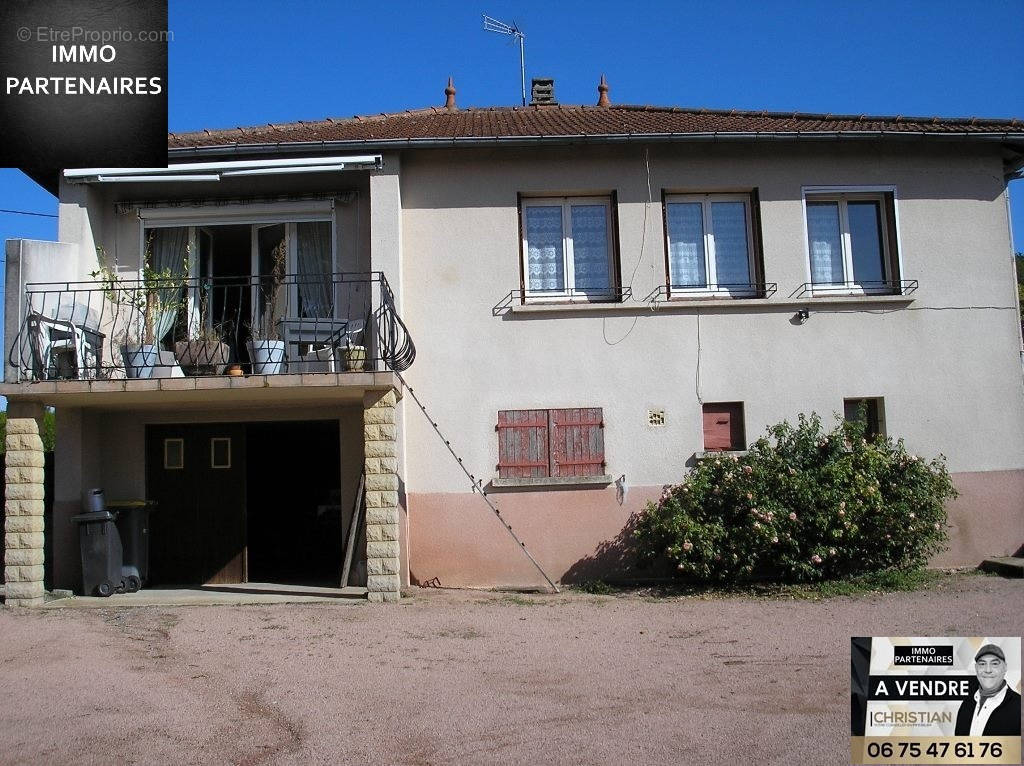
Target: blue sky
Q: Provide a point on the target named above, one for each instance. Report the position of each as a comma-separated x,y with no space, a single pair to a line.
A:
233,63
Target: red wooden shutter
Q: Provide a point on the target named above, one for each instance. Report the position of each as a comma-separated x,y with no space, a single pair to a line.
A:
522,443
723,427
577,442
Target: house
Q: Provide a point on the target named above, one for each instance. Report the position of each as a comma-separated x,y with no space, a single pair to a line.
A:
585,299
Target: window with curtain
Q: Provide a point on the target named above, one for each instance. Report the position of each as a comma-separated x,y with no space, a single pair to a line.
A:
167,253
849,241
567,247
710,243
314,269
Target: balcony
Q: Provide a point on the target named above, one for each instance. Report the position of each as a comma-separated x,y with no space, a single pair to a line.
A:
159,332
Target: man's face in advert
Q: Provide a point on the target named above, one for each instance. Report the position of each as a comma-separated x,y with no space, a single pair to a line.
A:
991,670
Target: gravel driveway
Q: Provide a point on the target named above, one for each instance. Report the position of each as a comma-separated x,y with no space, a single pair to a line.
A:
460,677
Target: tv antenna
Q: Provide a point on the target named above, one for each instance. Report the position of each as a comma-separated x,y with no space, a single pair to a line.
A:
513,31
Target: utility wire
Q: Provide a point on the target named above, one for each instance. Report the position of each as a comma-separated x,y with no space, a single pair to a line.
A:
26,212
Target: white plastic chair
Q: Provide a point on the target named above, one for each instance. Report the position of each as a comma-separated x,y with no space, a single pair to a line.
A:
57,345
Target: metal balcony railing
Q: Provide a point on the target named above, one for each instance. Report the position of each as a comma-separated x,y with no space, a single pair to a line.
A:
562,295
722,290
167,327
863,287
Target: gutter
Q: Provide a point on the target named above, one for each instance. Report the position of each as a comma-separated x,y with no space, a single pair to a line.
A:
295,147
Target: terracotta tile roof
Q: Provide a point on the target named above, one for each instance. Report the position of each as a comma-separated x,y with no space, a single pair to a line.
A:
564,121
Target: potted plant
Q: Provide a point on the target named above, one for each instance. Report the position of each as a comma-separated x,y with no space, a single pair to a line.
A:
139,357
145,303
353,357
266,349
204,352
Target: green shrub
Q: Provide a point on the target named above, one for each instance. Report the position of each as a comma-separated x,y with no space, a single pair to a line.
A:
803,504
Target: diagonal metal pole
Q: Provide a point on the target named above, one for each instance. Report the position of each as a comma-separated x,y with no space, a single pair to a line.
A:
476,487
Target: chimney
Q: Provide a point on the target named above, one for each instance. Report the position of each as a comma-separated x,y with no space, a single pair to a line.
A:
449,95
602,91
542,92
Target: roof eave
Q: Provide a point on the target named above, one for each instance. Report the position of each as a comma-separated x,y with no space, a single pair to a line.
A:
290,147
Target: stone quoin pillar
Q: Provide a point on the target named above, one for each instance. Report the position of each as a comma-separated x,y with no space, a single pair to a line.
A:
380,448
23,527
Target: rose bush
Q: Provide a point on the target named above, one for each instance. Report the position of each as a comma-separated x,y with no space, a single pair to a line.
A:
803,504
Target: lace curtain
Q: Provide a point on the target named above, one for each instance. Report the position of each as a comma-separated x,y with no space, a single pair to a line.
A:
732,258
544,254
590,247
686,244
314,269
168,253
824,242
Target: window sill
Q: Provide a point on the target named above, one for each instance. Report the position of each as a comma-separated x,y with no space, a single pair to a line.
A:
551,482
712,454
683,305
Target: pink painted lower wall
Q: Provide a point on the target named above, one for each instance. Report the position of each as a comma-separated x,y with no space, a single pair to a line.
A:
576,535
585,534
987,519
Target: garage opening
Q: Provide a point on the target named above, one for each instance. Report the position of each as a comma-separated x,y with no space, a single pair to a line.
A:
294,503
245,502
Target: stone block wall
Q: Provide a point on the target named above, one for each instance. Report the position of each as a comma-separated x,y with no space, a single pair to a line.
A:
23,526
380,436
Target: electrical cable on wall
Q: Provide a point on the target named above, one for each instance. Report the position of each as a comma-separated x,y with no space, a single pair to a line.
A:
696,376
640,257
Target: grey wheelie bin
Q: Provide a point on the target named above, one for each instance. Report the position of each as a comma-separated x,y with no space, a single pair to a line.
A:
133,525
101,553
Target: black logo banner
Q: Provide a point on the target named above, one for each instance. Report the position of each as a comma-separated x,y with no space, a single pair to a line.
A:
83,83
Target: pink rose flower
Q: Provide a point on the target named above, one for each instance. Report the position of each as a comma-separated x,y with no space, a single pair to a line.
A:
687,545
816,558
792,517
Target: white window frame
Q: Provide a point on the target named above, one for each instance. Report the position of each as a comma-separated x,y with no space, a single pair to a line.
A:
607,293
710,262
842,195
168,465
213,451
254,216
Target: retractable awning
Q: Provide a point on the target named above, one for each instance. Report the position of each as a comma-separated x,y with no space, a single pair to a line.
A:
215,171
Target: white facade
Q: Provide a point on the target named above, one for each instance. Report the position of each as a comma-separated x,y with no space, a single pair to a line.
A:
444,225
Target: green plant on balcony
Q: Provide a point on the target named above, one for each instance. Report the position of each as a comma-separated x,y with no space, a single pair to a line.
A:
150,306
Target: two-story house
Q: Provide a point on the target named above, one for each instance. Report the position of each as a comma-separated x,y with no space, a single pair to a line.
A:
597,296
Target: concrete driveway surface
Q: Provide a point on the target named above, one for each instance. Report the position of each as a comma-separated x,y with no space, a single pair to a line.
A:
460,677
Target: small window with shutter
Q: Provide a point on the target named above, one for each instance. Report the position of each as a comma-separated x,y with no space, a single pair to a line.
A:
723,427
550,443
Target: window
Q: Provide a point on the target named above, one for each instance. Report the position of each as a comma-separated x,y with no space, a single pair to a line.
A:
851,241
550,443
723,427
220,452
174,454
567,248
869,410
710,243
